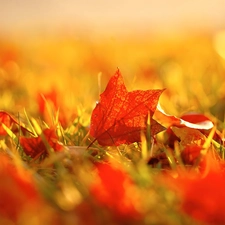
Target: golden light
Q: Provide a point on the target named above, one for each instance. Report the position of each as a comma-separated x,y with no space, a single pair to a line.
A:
219,43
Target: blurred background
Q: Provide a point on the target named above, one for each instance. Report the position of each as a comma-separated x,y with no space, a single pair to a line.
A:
54,47
126,16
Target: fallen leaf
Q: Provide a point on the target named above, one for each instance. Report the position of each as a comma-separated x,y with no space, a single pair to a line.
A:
5,119
194,121
203,199
35,146
191,153
189,136
201,194
114,189
8,120
19,196
121,116
196,118
201,118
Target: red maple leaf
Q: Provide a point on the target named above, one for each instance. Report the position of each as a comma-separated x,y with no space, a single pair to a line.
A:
20,197
8,120
121,116
201,194
111,190
5,119
203,198
35,146
25,195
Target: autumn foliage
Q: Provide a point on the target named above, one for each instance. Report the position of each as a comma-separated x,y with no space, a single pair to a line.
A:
147,155
20,199
38,146
113,193
121,116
